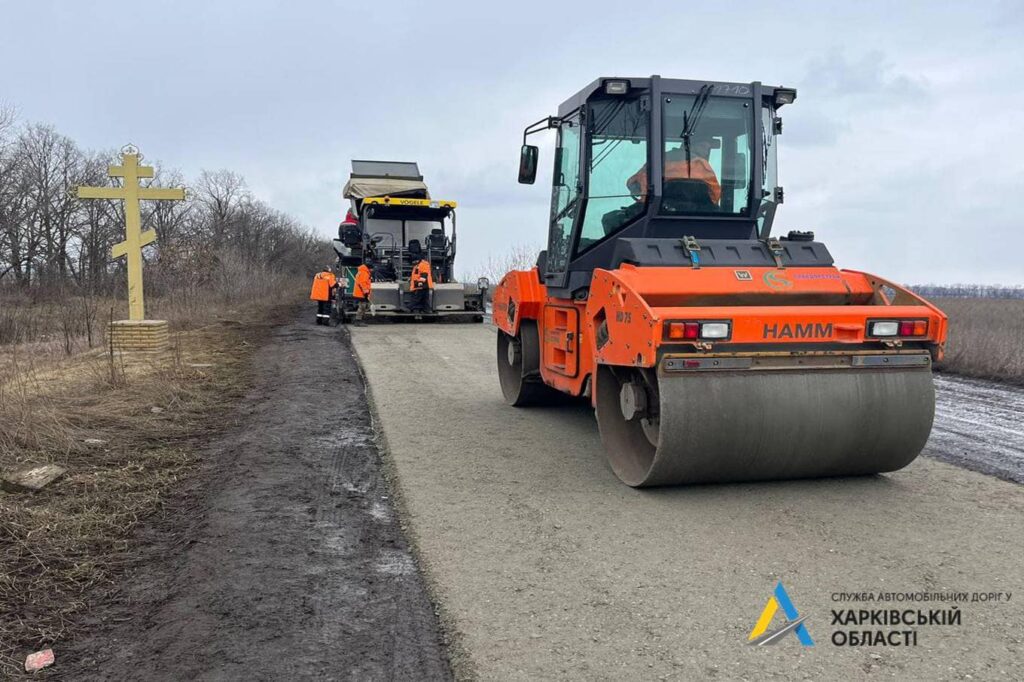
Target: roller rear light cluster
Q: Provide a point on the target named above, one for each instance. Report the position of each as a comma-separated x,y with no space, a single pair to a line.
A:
897,328
710,330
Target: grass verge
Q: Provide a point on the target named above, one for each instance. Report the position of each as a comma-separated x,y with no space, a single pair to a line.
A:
984,338
129,432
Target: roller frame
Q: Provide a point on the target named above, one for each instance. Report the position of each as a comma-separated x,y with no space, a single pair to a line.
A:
802,409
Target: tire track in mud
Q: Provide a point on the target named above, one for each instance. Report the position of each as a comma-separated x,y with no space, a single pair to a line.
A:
979,426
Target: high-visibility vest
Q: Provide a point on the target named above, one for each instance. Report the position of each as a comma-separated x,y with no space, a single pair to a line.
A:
421,277
696,169
323,282
361,289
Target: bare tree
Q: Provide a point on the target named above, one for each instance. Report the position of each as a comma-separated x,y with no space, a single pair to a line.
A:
521,256
222,195
48,238
11,198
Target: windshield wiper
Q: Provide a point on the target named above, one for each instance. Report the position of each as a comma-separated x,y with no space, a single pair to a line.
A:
568,207
691,118
631,135
598,129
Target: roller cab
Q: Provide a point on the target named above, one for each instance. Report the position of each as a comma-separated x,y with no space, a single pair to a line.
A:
710,350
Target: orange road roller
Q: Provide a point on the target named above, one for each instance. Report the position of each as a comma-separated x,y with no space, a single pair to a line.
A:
711,350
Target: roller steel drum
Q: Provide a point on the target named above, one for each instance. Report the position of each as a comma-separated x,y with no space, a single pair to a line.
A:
720,426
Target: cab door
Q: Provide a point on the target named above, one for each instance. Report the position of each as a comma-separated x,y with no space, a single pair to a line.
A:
560,351
565,200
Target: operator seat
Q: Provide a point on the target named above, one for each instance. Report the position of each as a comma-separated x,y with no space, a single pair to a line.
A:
437,245
350,235
687,196
437,241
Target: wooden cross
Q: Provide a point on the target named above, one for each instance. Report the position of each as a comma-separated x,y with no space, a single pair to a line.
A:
134,238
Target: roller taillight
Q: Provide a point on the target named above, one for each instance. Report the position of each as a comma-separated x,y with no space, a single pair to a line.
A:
897,328
709,330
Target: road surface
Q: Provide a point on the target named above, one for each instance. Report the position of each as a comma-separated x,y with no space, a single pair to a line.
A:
545,566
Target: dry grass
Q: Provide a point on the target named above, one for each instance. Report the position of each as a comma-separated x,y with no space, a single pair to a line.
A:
43,329
985,338
43,334
70,542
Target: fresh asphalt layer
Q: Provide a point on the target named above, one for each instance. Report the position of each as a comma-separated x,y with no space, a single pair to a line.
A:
545,566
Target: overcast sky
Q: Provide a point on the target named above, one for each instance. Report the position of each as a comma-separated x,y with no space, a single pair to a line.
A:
903,152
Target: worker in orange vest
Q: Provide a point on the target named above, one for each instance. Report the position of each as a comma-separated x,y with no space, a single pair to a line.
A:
421,283
677,167
324,284
361,292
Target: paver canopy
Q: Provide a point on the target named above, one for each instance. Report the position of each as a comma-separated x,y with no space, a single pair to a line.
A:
361,188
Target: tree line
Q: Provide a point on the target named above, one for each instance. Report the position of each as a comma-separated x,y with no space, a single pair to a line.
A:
968,291
49,237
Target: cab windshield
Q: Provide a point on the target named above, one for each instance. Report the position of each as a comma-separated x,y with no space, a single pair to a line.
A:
707,154
394,236
706,167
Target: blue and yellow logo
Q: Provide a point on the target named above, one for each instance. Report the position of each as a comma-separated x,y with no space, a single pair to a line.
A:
794,623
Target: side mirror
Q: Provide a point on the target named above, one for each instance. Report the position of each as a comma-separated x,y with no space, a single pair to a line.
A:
528,164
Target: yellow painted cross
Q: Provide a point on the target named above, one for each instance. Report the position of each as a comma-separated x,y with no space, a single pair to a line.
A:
134,238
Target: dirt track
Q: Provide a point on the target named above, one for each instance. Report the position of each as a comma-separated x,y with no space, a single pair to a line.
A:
546,566
979,425
294,565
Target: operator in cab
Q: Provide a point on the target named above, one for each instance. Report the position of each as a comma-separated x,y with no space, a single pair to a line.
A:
704,191
324,285
421,283
361,292
679,167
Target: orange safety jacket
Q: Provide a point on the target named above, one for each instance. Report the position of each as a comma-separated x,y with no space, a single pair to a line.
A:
323,283
361,289
697,169
421,276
